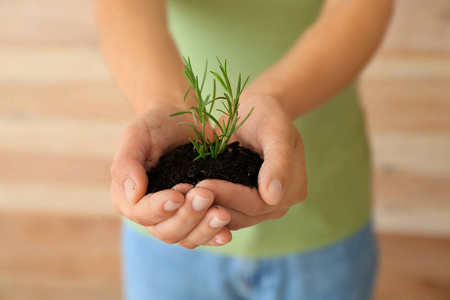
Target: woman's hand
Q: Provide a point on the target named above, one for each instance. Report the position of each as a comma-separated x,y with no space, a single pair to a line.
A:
282,179
181,215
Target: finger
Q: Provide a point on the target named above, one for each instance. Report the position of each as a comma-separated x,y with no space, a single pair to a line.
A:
177,227
240,220
219,132
281,145
156,207
223,237
127,169
183,188
121,205
236,196
214,220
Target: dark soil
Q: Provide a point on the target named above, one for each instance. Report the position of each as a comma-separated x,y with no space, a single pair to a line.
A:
237,164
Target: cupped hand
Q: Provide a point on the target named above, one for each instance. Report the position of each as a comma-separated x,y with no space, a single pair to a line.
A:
181,215
282,180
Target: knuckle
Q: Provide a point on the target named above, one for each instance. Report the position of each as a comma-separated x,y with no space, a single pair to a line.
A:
187,245
132,218
151,206
235,224
126,212
220,212
139,220
164,238
117,207
257,208
142,218
115,171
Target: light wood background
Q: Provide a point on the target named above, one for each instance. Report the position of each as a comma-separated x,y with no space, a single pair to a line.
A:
60,116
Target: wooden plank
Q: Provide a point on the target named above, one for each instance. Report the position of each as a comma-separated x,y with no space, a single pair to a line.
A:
413,268
44,21
83,100
411,203
420,26
416,26
407,187
51,64
415,218
55,169
69,137
407,93
56,198
412,66
56,256
54,289
406,106
424,153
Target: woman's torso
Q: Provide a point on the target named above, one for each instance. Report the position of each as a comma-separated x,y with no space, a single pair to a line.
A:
252,35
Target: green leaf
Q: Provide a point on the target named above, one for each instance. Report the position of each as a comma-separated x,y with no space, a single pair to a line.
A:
213,97
206,100
217,144
220,110
238,89
211,101
245,119
245,83
180,113
202,112
219,78
192,131
214,120
229,104
185,94
223,68
204,75
185,123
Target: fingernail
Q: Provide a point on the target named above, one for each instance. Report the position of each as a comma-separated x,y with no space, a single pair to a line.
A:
200,203
170,205
130,185
216,223
219,241
275,189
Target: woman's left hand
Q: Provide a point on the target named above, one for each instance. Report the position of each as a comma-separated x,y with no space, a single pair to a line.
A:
282,180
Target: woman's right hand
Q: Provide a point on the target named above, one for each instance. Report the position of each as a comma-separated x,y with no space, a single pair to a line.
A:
180,215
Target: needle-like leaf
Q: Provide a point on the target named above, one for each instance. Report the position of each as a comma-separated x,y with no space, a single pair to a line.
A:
203,111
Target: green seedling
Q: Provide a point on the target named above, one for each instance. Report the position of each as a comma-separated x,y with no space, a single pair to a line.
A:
202,113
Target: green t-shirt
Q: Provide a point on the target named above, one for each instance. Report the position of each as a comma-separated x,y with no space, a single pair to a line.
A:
252,35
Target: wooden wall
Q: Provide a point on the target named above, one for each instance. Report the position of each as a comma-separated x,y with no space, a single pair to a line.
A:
60,116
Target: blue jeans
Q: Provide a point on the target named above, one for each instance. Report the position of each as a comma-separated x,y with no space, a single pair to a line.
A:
153,270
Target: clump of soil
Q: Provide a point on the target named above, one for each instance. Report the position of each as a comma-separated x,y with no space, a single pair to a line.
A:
237,165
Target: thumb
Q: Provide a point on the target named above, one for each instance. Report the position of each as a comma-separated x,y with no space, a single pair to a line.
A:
130,176
278,151
128,170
